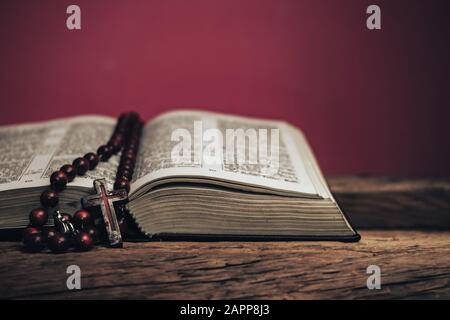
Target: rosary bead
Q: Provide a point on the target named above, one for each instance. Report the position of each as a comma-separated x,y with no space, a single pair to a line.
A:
58,243
29,231
38,217
92,231
122,184
118,177
124,167
129,155
70,171
49,199
34,242
58,180
129,151
104,152
128,162
84,241
117,136
121,129
115,146
93,160
82,218
132,145
124,173
116,143
125,120
65,217
133,115
48,233
122,117
135,132
81,165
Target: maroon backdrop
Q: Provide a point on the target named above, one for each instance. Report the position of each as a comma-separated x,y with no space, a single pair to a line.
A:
369,102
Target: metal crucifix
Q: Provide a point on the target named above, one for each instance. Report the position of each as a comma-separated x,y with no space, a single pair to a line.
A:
106,201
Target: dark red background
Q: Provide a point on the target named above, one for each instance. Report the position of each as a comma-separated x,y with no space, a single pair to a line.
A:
369,102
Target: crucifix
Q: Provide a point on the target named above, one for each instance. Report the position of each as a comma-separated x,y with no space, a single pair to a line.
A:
106,201
79,230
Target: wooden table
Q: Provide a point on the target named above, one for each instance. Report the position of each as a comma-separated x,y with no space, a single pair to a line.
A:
405,228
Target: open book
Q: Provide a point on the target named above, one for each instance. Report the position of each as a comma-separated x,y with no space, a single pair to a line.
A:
183,188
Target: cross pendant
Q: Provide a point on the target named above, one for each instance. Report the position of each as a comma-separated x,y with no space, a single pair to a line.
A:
106,201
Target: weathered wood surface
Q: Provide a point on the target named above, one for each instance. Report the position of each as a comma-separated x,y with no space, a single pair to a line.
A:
393,203
414,264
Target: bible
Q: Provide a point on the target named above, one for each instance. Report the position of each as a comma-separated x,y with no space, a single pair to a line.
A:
198,176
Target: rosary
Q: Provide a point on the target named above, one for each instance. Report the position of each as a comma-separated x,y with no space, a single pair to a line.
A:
82,230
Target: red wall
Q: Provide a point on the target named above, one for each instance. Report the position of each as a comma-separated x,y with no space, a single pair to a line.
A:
369,102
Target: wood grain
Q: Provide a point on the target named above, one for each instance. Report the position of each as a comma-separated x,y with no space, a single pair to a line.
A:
393,203
414,264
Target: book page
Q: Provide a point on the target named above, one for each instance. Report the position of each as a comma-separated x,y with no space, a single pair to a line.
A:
30,153
164,135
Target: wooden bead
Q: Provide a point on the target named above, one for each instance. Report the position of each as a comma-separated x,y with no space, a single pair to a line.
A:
130,156
84,241
58,180
29,231
125,166
132,146
121,129
34,242
58,243
119,137
131,152
122,184
81,165
82,218
122,117
118,177
92,231
104,152
49,199
116,143
127,162
115,147
132,115
38,217
70,171
48,233
93,160
125,173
